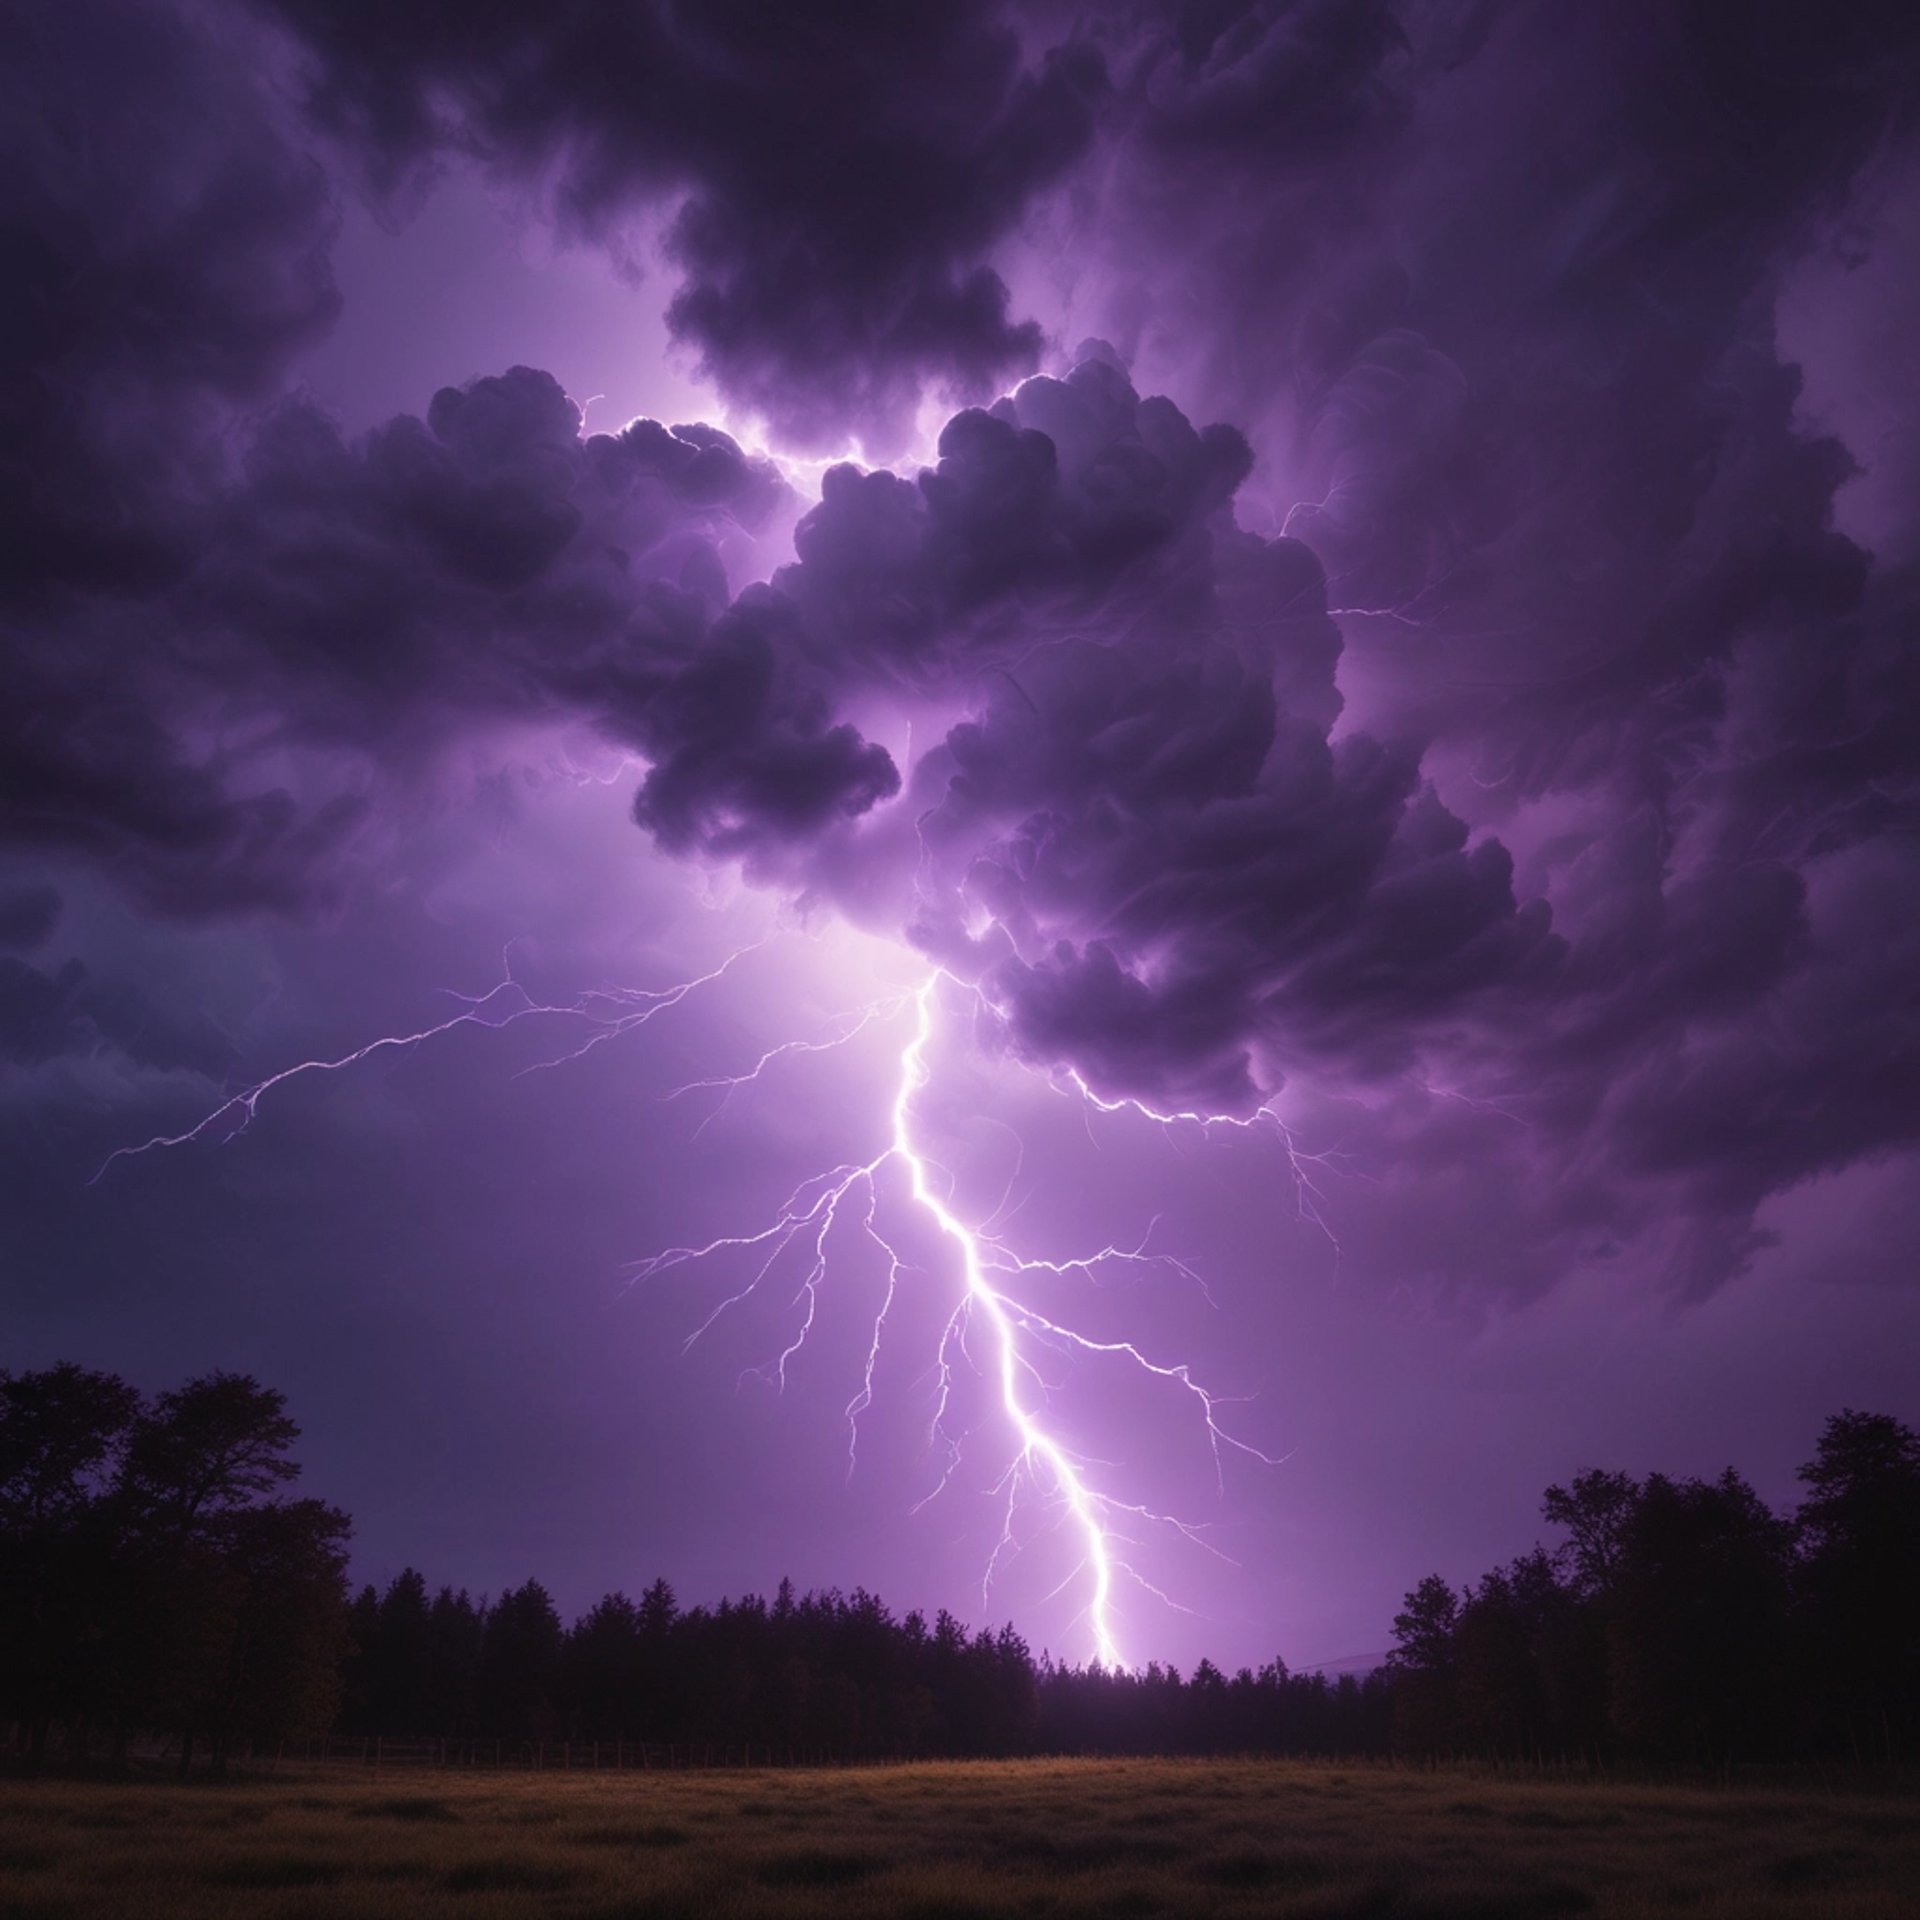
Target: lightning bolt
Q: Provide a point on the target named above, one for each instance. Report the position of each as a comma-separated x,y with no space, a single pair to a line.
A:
1309,1199
610,1011
1039,1450
987,1314
1011,1329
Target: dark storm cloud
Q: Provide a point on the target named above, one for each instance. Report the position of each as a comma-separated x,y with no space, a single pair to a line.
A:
1530,408
67,1014
198,600
1289,898
369,605
1070,501
1191,887
1524,265
840,172
483,556
164,251
226,633
487,561
27,915
98,759
1564,891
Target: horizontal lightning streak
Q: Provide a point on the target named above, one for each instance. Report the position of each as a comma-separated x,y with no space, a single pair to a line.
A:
1308,1197
866,1016
502,1005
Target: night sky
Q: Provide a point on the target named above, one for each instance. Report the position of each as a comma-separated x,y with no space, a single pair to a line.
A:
1275,639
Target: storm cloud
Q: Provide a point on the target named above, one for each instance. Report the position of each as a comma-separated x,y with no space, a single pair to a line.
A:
1483,748
830,180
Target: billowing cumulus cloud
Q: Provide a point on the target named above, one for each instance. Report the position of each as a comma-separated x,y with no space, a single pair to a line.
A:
836,175
349,611
1488,754
1528,408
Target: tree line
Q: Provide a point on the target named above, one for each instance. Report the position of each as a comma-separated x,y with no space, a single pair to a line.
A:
158,1579
802,1674
153,1576
1685,1620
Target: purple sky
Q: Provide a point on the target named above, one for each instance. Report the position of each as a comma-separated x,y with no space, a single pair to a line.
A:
1388,621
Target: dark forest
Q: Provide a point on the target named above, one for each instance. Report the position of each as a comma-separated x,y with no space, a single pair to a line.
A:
163,1595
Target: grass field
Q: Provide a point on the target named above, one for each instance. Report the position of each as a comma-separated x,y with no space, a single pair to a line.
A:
1041,1838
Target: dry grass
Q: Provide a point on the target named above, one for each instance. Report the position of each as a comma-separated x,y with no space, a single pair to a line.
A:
1050,1839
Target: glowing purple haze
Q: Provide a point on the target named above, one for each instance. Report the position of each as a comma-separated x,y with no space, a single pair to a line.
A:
1427,865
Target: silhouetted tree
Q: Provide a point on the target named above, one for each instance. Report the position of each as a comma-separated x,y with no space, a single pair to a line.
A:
400,1657
154,1575
1697,1626
215,1445
602,1666
270,1628
360,1704
1424,1664
201,1535
1858,1538
455,1627
1594,1510
63,1434
520,1665
148,1578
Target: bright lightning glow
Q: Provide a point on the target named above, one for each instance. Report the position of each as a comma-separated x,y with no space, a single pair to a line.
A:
1016,1336
1038,1448
1012,1329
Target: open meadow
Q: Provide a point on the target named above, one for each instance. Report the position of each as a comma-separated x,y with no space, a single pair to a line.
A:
947,1842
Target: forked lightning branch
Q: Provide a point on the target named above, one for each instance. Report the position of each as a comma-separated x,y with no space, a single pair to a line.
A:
992,1328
